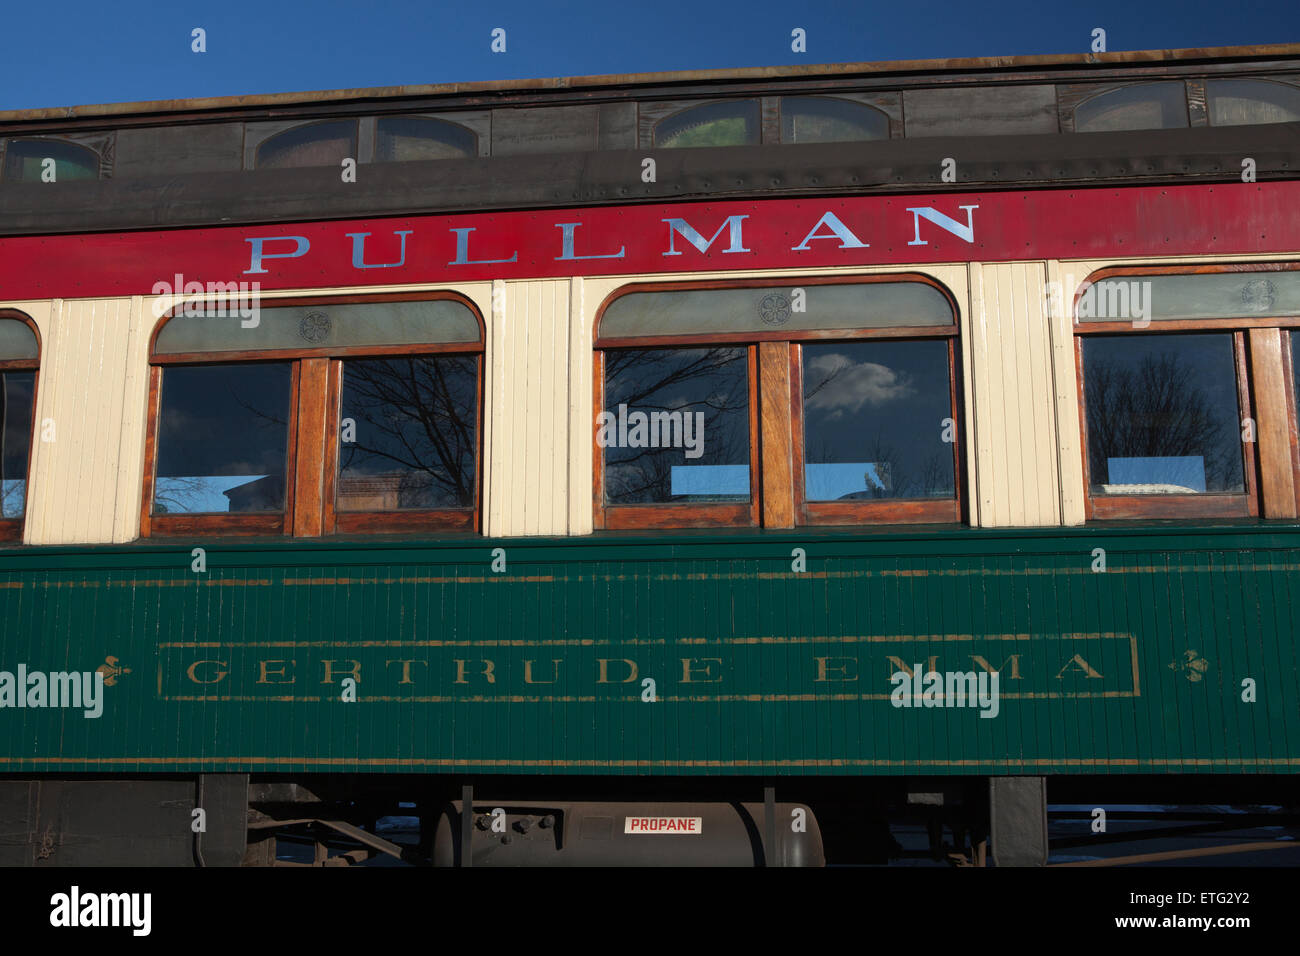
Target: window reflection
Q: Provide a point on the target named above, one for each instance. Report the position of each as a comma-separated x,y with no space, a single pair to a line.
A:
24,159
16,395
400,139
675,427
222,438
1245,102
713,124
315,144
408,433
874,421
824,119
1139,106
1163,415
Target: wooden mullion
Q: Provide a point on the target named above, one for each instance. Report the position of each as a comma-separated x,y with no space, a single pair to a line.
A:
777,462
308,472
1248,451
1273,435
330,451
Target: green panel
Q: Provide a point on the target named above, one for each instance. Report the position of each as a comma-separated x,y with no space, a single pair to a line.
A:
758,668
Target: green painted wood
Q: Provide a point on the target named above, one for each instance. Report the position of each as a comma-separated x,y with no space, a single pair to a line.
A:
758,669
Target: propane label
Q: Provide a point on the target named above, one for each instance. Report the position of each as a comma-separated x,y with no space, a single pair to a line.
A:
663,825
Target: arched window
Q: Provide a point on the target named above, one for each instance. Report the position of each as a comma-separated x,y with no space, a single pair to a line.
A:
1188,408
400,139
315,144
1161,105
817,401
25,161
315,416
731,123
1246,102
19,360
824,119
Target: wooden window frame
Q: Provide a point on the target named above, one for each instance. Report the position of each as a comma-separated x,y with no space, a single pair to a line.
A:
1255,460
882,511
312,455
11,529
776,467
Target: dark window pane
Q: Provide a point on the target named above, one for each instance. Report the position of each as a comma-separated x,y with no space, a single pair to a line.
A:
1163,416
822,119
1246,102
402,139
222,438
23,158
316,144
1295,367
714,124
874,421
414,430
1140,106
675,426
15,440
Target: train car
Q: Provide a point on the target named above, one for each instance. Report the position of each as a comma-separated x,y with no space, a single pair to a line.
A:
671,469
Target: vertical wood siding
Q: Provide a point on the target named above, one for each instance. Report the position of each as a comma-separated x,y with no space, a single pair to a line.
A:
1012,397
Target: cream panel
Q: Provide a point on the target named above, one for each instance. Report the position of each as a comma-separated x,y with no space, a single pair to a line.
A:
1065,384
528,429
1012,395
80,492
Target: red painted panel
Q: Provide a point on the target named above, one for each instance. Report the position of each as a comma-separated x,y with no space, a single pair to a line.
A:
1110,222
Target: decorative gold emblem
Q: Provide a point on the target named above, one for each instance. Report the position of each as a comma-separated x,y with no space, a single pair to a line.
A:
1193,666
110,669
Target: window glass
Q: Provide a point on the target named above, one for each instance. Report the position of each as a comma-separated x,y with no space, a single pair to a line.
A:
401,139
1209,295
734,123
1162,414
16,396
675,428
315,144
222,438
1295,367
1139,106
1244,102
863,305
874,421
431,321
408,433
17,341
23,159
823,119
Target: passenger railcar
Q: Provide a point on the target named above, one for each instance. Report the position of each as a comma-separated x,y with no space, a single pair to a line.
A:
682,468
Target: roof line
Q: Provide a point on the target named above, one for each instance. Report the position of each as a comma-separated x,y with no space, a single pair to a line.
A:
650,79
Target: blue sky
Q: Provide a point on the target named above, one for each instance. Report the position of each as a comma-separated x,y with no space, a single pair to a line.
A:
80,52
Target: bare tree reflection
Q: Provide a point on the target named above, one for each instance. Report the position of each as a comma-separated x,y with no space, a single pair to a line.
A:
1155,410
416,422
665,380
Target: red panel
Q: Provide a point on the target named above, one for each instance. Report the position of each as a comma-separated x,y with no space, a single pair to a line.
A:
1142,221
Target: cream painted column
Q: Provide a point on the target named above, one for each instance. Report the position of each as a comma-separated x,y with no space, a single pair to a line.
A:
85,486
528,430
1065,379
1012,398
